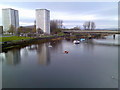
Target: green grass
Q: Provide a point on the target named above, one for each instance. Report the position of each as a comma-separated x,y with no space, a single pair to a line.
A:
18,38
45,36
61,34
13,38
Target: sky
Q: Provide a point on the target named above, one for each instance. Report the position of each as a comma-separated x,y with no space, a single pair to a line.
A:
104,14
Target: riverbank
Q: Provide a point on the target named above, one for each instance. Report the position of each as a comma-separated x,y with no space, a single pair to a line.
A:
14,38
8,43
18,42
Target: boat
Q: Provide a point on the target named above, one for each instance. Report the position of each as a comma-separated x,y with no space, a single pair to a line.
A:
50,46
66,52
76,41
82,39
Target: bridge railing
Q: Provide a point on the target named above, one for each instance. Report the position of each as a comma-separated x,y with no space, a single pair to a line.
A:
92,31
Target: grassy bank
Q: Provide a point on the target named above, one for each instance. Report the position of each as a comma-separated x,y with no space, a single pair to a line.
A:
13,38
16,42
17,38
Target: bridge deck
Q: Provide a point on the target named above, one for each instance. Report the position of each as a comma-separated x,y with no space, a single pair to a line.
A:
92,31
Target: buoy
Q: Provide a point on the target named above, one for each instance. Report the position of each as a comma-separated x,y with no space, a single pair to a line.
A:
66,52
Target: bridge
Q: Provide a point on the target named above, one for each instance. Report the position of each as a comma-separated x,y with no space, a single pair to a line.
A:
93,31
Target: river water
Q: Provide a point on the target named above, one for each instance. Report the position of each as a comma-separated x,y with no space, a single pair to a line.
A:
87,65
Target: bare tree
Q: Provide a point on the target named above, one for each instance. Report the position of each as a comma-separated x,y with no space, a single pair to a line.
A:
85,26
90,25
53,25
56,25
24,30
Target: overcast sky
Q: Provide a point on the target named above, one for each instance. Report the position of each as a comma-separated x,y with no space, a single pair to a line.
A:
104,14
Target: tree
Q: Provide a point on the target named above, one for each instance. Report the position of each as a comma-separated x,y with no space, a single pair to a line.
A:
20,29
11,29
85,26
27,30
55,26
92,26
34,29
24,30
89,25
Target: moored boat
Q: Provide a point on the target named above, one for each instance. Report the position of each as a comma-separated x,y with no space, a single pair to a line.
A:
76,41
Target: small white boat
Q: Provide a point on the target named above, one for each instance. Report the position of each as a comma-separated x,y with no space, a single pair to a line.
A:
50,46
76,42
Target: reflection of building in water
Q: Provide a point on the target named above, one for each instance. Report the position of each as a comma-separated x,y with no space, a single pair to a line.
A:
24,52
13,56
57,46
32,47
43,54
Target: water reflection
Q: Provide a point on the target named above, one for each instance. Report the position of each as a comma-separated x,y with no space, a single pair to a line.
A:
40,52
25,52
43,54
56,46
13,57
32,47
78,69
109,40
88,45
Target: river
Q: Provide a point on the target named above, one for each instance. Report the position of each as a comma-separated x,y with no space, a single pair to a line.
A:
87,65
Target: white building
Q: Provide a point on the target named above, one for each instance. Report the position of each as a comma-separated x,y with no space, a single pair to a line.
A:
10,17
43,20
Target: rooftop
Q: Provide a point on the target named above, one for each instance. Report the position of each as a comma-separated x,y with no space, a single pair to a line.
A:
8,9
42,9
